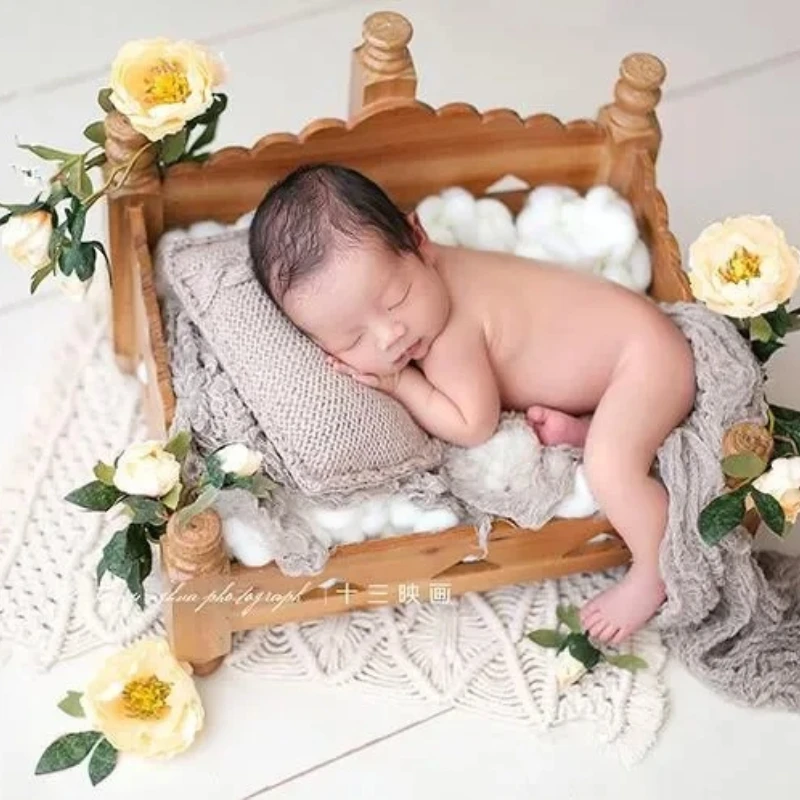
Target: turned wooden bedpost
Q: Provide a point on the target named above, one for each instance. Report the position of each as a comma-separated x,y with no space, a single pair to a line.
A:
382,67
142,186
198,627
631,117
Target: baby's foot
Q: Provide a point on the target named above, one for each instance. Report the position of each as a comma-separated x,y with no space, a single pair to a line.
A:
614,615
555,427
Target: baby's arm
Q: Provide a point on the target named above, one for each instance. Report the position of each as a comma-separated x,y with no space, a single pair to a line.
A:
457,398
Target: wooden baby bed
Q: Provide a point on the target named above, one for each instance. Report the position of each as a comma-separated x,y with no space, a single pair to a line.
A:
412,150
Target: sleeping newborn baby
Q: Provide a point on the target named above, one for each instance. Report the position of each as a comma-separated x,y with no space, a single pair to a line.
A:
458,335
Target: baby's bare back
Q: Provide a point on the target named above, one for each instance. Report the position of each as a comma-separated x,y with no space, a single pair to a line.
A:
554,335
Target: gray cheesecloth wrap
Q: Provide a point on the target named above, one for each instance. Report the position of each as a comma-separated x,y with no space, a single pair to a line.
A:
731,616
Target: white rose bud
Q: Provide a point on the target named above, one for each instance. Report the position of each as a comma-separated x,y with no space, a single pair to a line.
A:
26,238
568,670
72,286
147,469
238,460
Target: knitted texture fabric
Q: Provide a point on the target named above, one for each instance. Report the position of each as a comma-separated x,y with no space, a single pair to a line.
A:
330,433
732,615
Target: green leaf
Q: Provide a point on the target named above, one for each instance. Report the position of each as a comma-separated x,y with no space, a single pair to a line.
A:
104,473
78,181
629,662
218,105
100,249
720,517
129,556
547,638
785,448
205,138
787,423
760,330
583,650
147,511
67,751
58,192
96,132
205,500
172,499
48,153
78,259
135,583
104,100
780,320
102,762
77,222
259,485
179,445
94,496
763,351
568,615
172,146
770,511
215,475
745,466
39,276
71,704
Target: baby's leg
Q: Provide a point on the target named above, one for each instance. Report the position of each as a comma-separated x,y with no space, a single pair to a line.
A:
650,394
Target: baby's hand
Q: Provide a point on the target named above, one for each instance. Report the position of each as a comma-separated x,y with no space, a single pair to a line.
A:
384,383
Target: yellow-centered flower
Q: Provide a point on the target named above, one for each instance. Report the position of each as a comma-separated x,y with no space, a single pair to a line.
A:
743,267
159,84
144,701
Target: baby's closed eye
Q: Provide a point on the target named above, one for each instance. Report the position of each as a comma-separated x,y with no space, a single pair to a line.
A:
402,298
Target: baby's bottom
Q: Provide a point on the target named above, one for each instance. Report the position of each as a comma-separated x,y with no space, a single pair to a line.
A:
650,394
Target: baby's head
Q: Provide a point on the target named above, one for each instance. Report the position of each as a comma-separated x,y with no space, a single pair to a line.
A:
349,268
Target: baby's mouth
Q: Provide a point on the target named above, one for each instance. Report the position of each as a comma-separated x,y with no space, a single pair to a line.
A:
410,353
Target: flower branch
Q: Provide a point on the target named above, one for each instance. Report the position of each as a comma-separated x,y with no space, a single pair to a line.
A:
165,89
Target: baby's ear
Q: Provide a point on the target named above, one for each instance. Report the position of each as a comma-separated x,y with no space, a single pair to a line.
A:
420,237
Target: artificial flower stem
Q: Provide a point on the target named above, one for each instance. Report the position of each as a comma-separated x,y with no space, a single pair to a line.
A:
127,171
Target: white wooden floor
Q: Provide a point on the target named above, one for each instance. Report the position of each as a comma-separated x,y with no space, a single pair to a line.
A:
731,126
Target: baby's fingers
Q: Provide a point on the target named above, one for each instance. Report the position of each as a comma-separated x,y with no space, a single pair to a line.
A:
345,369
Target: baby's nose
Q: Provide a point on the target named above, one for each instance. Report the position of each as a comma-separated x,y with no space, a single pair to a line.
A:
389,334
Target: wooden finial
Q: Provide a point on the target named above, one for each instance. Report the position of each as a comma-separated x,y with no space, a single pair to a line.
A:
123,144
382,67
194,549
636,95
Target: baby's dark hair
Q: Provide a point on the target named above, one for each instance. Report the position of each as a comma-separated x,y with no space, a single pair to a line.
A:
314,209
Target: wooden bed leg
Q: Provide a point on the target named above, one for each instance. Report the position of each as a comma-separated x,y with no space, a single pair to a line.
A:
143,186
198,628
631,117
382,67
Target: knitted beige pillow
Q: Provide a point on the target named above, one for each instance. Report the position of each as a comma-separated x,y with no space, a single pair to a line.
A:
332,434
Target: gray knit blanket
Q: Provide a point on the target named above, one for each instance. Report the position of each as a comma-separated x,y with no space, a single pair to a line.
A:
731,616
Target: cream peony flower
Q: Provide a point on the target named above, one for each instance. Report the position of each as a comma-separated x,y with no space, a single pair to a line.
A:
26,238
782,481
147,469
160,84
72,286
743,267
238,460
144,701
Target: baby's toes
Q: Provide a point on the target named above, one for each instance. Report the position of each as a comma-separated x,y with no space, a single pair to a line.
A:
536,415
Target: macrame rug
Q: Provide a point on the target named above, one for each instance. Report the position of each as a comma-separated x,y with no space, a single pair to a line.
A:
469,653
